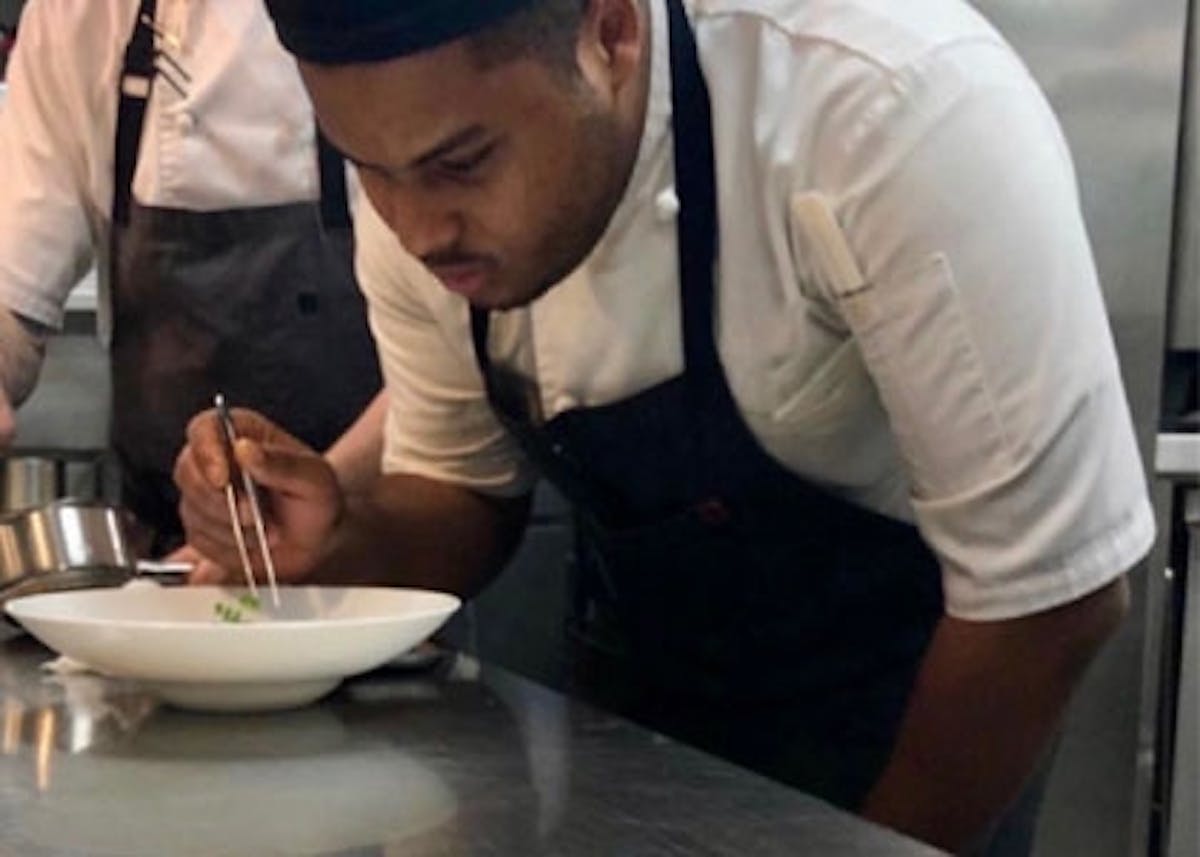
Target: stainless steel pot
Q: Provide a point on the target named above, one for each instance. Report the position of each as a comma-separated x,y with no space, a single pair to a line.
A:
30,481
68,544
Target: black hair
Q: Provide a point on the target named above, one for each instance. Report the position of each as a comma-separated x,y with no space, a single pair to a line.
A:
544,30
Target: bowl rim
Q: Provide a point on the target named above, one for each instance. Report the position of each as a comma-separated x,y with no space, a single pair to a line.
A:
15,608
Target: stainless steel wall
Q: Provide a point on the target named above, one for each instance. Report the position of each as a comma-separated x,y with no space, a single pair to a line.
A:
1185,301
1113,70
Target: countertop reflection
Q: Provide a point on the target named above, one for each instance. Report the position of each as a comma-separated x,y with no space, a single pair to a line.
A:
461,760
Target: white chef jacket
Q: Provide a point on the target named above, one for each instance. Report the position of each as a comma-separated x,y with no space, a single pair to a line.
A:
242,135
908,312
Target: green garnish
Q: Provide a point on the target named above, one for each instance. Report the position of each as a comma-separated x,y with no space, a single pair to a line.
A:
232,611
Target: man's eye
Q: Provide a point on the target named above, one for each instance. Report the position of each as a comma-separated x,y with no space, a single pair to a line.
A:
466,163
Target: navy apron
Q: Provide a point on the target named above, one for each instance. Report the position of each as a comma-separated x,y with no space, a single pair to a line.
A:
723,599
259,302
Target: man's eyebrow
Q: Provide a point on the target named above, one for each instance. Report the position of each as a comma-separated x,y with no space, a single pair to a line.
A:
441,149
448,145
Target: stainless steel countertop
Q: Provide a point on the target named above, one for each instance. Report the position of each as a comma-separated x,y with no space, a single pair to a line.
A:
462,760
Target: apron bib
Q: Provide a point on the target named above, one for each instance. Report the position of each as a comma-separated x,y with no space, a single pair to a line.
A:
259,303
721,598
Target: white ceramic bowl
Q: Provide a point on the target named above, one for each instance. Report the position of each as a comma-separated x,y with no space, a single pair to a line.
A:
173,640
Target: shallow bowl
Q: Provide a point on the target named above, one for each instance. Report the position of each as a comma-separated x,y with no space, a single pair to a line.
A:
174,640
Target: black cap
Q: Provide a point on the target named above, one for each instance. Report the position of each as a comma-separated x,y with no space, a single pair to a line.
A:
339,32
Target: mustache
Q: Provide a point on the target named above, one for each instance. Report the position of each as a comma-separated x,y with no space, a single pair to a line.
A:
453,257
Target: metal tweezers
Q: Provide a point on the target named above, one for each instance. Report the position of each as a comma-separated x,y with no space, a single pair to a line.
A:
229,436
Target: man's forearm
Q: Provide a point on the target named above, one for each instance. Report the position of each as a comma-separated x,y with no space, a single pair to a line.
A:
416,532
987,700
355,456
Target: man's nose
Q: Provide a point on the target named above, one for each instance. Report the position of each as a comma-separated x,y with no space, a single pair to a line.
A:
424,222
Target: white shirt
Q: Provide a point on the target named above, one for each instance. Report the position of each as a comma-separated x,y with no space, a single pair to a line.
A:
908,310
242,134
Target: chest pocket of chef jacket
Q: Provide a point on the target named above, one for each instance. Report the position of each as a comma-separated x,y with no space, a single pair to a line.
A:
918,352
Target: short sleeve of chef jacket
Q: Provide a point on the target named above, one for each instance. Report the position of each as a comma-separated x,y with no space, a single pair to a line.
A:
938,220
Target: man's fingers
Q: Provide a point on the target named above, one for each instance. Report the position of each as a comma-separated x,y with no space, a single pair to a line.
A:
204,503
286,470
208,573
208,528
186,553
254,426
204,452
298,489
189,476
204,570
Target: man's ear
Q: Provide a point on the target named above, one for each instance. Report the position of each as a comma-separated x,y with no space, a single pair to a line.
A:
610,44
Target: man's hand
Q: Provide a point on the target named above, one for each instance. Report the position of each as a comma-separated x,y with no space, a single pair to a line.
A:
204,570
299,492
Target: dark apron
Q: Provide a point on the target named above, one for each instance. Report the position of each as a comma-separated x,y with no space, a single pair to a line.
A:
259,303
725,600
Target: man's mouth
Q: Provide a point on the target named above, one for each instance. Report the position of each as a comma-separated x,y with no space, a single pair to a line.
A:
466,278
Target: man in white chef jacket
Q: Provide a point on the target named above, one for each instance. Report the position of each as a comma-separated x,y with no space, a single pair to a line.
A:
779,293
173,144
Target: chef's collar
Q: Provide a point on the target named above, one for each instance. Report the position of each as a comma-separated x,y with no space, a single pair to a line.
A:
646,181
338,32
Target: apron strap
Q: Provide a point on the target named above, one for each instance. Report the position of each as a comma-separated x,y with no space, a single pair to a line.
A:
331,168
136,81
480,325
695,180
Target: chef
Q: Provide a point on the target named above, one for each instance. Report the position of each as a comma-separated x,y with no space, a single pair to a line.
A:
174,141
793,300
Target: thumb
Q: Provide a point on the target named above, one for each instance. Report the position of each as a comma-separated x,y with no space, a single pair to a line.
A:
287,470
186,553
